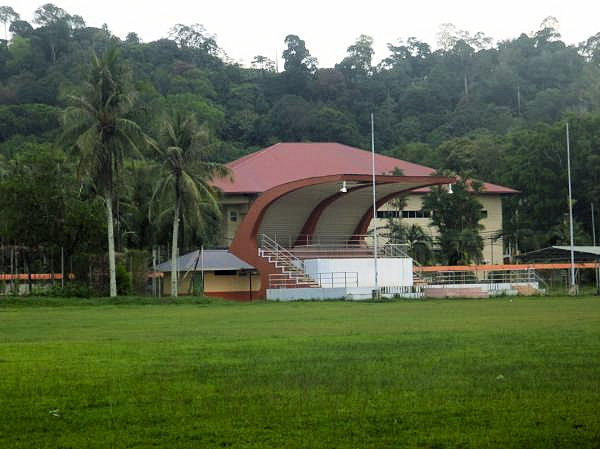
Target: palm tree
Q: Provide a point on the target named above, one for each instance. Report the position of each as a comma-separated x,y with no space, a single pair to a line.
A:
461,246
417,241
96,122
184,183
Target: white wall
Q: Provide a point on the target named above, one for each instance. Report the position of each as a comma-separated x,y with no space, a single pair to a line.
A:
390,271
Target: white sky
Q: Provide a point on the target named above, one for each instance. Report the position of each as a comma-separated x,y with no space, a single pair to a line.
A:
245,28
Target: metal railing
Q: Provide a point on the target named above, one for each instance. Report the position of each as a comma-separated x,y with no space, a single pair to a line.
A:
332,246
486,277
269,248
409,291
292,268
337,279
336,240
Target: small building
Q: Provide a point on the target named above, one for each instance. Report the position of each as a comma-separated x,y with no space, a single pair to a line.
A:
217,273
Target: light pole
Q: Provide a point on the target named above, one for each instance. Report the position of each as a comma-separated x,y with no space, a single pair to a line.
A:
375,242
573,289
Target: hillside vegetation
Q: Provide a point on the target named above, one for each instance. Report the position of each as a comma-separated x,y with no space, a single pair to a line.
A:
494,111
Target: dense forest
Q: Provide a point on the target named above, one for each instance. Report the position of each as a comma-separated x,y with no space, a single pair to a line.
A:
491,111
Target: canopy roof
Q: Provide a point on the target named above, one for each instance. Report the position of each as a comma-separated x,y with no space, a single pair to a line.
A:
563,254
209,260
286,162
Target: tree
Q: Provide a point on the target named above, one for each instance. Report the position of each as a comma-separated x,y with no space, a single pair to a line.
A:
21,28
194,36
299,65
185,178
297,57
42,208
97,123
50,14
7,17
263,63
56,27
416,239
358,61
457,216
414,55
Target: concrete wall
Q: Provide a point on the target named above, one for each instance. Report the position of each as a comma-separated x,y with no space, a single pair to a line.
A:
214,283
390,271
492,250
294,294
235,208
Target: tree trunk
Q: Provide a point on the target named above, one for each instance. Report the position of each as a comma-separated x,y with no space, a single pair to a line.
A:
111,246
466,81
27,260
174,252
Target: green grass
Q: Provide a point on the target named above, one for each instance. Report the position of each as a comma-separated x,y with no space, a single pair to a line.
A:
200,374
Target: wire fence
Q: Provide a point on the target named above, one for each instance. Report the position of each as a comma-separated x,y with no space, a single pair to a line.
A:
31,271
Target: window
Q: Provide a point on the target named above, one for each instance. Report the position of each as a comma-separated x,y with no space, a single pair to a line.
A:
402,214
415,214
388,214
233,215
225,273
484,213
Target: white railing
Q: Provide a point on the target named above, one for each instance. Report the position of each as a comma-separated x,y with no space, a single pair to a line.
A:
292,268
332,246
336,279
485,277
323,280
271,249
408,291
321,240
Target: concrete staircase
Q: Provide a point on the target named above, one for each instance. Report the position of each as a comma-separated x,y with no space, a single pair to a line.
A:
290,272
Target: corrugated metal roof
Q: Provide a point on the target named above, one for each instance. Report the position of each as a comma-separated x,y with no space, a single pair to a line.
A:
211,260
563,253
286,162
581,249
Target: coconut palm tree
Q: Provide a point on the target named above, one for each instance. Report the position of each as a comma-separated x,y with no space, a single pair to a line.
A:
417,241
184,188
97,123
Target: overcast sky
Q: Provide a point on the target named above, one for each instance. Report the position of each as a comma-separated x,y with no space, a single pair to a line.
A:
245,28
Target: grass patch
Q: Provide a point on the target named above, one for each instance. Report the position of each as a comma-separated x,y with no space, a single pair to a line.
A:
425,374
55,301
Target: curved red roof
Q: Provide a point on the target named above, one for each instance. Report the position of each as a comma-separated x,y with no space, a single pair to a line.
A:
286,162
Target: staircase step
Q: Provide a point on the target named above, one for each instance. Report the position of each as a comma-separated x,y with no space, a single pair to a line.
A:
286,264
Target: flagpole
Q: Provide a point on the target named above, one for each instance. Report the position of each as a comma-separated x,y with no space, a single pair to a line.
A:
375,240
573,289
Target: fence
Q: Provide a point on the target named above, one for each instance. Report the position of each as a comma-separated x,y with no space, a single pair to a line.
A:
338,279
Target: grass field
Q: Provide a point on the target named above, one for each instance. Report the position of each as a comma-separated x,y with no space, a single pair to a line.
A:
427,374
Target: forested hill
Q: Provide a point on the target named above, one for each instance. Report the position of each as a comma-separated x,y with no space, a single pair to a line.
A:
492,110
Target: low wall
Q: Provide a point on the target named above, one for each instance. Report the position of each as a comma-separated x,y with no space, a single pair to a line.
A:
390,271
293,294
487,289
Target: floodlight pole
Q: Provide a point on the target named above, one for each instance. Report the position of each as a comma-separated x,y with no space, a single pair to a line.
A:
573,289
593,227
202,267
375,242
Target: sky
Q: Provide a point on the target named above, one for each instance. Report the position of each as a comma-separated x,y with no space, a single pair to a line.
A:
248,28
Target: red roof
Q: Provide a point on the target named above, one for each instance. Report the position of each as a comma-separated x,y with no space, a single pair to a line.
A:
286,162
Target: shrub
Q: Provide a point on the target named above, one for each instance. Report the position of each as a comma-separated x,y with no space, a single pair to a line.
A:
124,285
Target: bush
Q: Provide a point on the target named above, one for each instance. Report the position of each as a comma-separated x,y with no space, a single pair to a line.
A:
124,285
70,290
